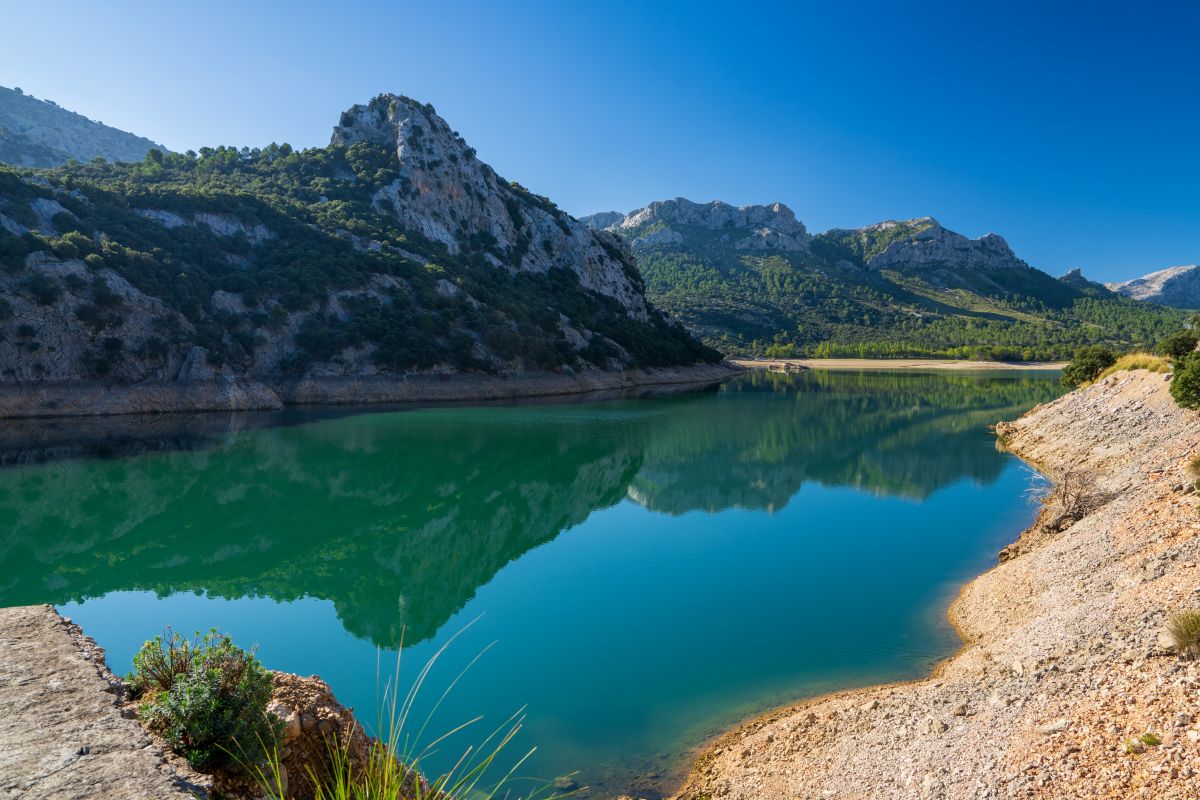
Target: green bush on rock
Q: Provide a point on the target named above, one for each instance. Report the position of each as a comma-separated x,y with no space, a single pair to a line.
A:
207,698
1087,364
1185,383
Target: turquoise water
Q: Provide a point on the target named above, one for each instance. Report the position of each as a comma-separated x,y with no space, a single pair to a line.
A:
636,574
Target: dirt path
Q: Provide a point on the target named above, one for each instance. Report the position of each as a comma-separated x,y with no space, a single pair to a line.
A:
62,735
1066,658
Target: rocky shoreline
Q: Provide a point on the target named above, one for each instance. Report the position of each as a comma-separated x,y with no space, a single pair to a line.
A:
247,394
1065,662
69,730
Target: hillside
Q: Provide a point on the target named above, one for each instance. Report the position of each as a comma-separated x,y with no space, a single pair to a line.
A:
754,281
40,133
272,275
1174,286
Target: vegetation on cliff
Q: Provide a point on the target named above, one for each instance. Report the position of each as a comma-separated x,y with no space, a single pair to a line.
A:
893,290
277,261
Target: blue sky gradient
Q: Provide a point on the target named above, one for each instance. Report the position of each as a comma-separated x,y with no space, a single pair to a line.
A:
1071,130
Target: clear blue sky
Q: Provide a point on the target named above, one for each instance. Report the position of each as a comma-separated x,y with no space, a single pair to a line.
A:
1073,132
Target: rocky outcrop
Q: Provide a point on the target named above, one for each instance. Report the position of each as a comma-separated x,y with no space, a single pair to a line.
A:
63,732
40,133
1065,666
444,191
757,227
924,242
1174,286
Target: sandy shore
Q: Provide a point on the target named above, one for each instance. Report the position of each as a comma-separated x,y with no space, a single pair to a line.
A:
1066,662
895,363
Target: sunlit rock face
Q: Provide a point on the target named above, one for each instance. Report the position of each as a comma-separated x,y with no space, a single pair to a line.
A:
449,195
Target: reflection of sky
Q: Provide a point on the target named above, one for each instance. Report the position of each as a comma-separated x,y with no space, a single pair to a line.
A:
634,633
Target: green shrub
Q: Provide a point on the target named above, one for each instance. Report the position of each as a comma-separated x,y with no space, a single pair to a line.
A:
1087,364
45,289
1185,383
1178,345
1184,628
207,698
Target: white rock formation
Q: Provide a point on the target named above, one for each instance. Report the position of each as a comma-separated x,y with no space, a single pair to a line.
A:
450,196
1173,286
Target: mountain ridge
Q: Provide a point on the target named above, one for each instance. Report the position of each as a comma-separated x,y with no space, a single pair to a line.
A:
753,281
1173,286
41,133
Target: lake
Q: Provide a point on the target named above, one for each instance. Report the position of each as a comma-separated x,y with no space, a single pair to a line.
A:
638,574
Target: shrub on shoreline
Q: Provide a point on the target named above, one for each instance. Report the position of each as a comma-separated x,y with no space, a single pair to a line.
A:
207,698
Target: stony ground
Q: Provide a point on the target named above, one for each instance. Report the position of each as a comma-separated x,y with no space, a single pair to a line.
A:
62,732
1066,661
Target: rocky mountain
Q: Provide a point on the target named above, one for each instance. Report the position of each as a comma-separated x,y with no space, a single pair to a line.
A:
1174,286
754,281
376,268
40,133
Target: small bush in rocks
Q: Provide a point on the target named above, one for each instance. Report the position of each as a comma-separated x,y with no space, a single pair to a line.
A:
1185,632
207,698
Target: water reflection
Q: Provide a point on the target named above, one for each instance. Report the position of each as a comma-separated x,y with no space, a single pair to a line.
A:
399,518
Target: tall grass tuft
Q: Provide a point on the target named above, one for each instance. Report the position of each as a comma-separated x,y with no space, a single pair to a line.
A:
1184,628
1147,361
392,767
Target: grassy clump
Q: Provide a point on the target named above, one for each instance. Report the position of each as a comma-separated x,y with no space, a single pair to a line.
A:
391,768
207,698
1193,467
1184,628
1147,361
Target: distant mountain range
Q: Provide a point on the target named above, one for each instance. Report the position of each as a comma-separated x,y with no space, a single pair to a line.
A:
1174,286
40,133
753,280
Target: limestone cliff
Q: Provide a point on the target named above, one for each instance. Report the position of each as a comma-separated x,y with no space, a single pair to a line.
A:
391,265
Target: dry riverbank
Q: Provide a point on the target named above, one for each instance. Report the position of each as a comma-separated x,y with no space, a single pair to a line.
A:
893,363
1064,660
249,394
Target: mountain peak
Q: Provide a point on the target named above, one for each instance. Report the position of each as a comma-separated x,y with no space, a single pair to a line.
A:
441,189
1173,286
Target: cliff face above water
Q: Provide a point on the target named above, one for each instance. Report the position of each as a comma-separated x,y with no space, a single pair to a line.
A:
376,268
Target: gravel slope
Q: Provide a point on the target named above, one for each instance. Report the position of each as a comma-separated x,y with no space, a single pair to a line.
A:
1065,658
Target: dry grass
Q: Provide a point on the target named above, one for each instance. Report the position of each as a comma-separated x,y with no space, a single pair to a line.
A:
1185,631
1193,468
1147,361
